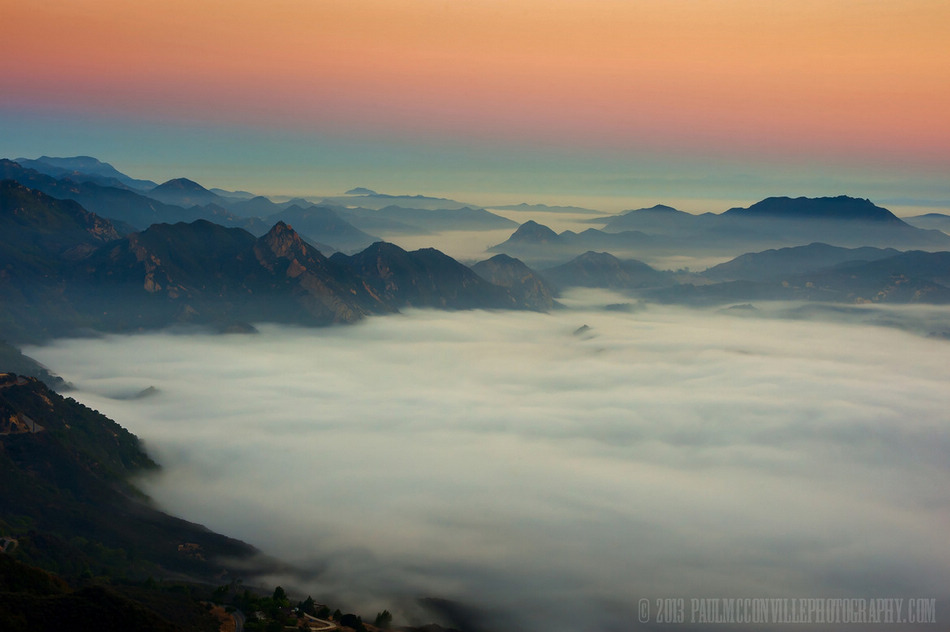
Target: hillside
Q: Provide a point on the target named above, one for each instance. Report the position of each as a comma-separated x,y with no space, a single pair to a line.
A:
68,500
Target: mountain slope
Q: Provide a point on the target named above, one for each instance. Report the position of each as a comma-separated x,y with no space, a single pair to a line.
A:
323,225
423,278
184,193
66,471
840,208
530,288
84,168
601,269
770,264
909,277
208,274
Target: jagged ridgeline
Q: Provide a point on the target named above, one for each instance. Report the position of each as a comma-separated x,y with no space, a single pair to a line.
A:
64,269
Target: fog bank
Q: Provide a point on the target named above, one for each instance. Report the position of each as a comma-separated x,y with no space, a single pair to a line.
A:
551,479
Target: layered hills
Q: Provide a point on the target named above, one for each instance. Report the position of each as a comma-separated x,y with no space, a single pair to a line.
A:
771,223
65,269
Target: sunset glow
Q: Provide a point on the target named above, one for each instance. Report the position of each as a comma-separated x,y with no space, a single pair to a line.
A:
856,82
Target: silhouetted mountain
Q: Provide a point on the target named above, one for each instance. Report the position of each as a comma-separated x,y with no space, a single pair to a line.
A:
84,169
232,195
34,225
910,277
185,193
659,220
396,219
662,231
840,208
423,278
532,232
361,191
930,221
322,224
41,239
601,269
542,247
122,205
208,274
530,288
772,264
842,221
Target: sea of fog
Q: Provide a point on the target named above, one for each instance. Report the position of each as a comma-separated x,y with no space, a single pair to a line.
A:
545,478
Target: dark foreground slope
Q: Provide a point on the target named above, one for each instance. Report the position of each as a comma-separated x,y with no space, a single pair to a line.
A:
68,501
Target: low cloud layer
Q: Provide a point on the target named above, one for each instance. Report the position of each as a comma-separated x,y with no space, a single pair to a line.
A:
549,479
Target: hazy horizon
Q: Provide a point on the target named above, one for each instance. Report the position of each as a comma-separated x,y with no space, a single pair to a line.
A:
734,100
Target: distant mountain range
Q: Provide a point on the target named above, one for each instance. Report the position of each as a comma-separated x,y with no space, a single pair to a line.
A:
84,169
544,208
875,276
348,223
177,252
774,264
65,269
771,223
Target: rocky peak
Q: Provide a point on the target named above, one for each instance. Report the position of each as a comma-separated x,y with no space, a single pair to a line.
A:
284,242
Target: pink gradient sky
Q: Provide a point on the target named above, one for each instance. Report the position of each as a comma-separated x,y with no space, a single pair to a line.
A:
859,88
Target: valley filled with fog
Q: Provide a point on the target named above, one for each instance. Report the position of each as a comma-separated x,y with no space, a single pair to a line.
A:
549,470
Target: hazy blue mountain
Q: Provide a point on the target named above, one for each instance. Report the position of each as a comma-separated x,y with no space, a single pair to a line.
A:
931,221
659,220
840,208
840,221
542,247
123,205
909,277
423,278
421,221
185,193
544,208
601,269
360,191
235,195
531,232
772,264
376,201
772,223
532,289
84,169
257,206
323,225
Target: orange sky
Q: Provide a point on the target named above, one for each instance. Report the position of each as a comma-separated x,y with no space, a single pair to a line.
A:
804,77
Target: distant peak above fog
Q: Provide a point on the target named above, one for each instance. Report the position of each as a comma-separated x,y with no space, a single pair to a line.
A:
361,191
